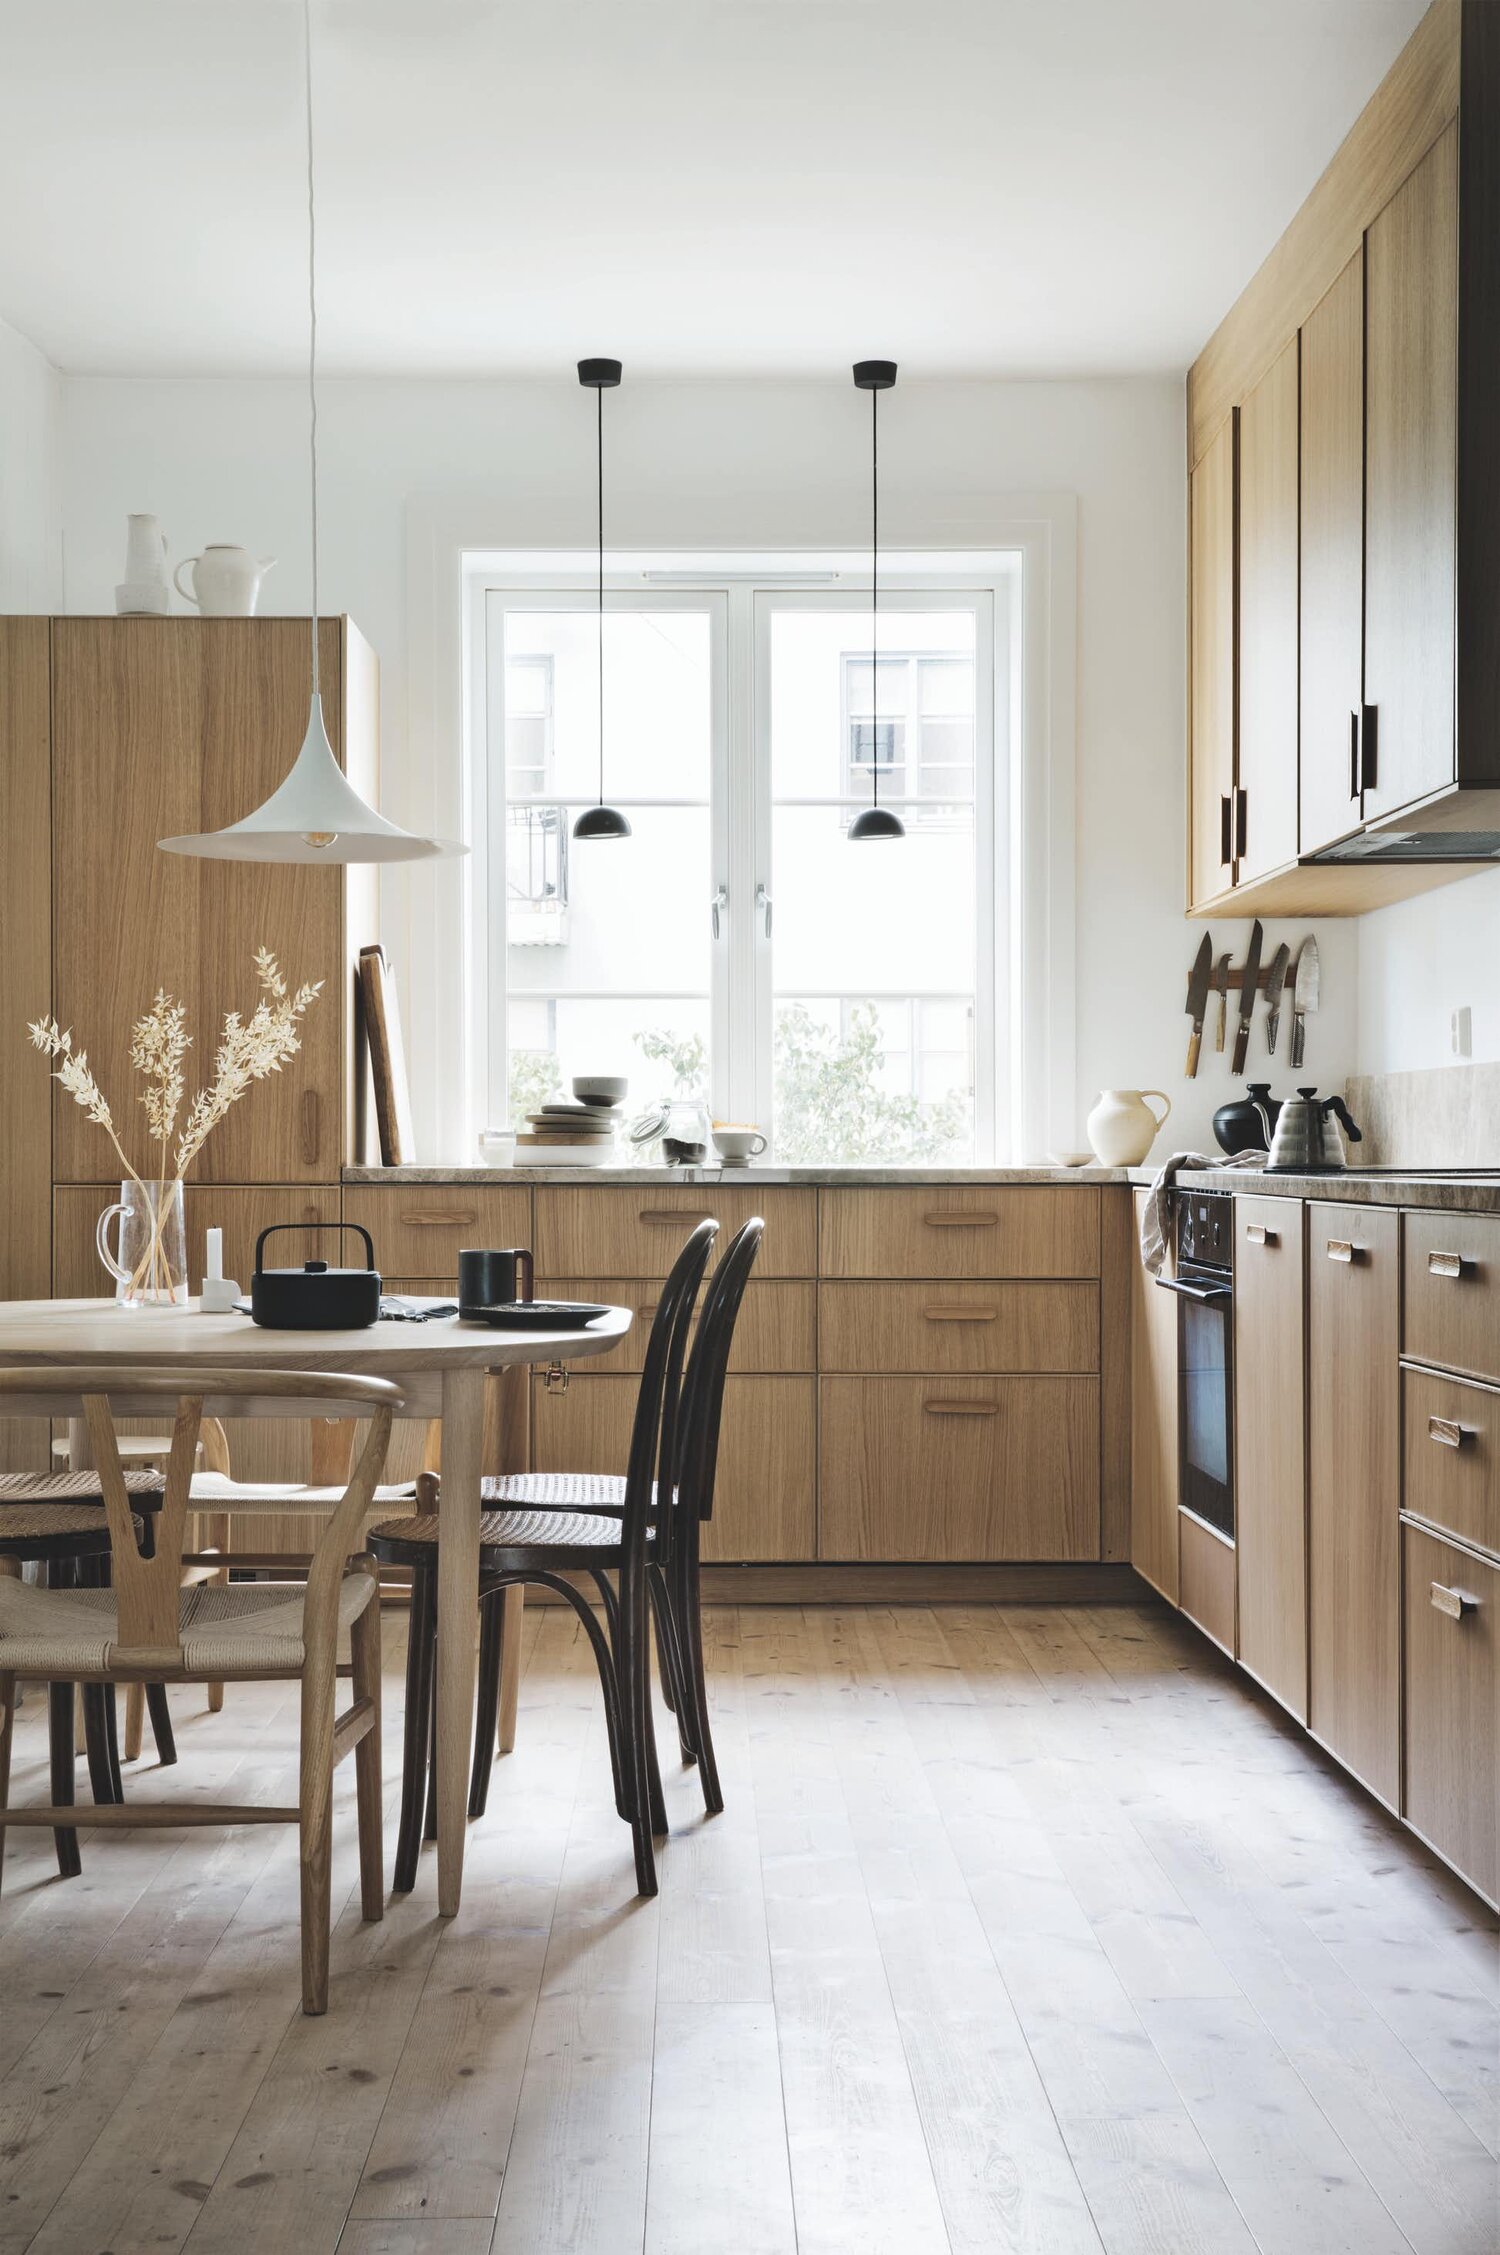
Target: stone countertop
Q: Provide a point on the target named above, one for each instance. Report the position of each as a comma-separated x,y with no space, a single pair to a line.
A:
753,1177
1476,1193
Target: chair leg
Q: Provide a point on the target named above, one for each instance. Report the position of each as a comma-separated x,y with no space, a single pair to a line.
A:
112,1741
669,1661
689,1617
514,1602
364,1647
216,1531
60,1745
135,1720
417,1728
487,1710
315,1837
7,1734
95,1700
632,1666
161,1724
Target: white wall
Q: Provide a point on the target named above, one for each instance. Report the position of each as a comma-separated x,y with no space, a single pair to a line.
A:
227,461
30,434
1420,961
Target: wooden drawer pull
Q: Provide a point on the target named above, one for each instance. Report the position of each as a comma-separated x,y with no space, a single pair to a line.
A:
1256,1233
1341,1249
1454,1602
1447,1431
961,1409
654,1218
960,1221
1447,1264
439,1221
961,1315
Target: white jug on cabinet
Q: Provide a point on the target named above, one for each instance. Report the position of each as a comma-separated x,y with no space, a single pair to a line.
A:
226,581
1122,1126
143,592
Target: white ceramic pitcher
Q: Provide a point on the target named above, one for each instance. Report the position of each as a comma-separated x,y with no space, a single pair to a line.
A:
226,580
143,592
1122,1126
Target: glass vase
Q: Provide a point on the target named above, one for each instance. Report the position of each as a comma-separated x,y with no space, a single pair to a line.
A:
149,1262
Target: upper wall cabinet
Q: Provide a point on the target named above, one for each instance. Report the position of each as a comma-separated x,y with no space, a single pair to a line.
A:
1212,719
1360,372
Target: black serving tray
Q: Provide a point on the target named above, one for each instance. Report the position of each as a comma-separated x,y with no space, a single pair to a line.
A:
537,1315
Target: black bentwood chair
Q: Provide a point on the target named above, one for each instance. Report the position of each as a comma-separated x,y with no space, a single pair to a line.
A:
546,1544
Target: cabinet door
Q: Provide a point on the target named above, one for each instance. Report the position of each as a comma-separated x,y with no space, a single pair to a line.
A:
1453,1706
1212,704
1411,352
1353,1482
1270,1508
26,953
1153,1428
1333,533
1266,804
165,726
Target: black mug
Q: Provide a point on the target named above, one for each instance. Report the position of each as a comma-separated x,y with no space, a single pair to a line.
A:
490,1280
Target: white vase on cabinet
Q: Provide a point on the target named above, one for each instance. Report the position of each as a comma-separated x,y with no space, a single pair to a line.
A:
226,581
144,591
1122,1126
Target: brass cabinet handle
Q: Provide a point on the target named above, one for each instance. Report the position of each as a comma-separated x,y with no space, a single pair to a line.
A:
656,1218
1447,1431
961,1315
960,1221
1454,1602
439,1221
961,1409
1446,1264
1256,1233
1342,1249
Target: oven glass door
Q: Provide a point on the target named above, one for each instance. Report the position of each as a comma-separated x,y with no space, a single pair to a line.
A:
1204,1334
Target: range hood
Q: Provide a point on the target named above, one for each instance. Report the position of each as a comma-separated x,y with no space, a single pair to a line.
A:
1459,824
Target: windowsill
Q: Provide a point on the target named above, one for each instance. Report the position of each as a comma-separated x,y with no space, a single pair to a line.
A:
833,1177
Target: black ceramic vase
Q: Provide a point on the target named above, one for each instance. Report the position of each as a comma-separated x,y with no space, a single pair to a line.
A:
1239,1126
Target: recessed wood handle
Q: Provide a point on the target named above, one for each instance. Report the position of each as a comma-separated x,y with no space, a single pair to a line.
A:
960,1221
1446,1264
1447,1431
439,1221
961,1315
312,1126
1256,1233
655,1218
1454,1602
961,1409
1341,1249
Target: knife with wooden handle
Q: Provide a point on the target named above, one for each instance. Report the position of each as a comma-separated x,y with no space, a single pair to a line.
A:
1197,1000
1249,985
1275,982
1221,988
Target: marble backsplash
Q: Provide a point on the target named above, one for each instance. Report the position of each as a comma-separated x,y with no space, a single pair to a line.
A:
1449,1117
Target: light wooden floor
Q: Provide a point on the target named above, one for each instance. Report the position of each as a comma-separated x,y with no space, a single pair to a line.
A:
1024,1929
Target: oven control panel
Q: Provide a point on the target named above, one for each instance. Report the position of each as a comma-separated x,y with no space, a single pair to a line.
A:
1205,1228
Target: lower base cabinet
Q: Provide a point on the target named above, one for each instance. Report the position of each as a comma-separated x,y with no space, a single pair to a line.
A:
765,1502
1452,1735
1206,1580
1270,1482
959,1468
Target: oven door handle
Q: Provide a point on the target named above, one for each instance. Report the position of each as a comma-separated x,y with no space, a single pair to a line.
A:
1206,1292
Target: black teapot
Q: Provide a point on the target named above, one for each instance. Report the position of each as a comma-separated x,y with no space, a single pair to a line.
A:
1249,1123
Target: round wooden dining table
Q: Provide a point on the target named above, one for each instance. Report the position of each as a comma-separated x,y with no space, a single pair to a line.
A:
440,1365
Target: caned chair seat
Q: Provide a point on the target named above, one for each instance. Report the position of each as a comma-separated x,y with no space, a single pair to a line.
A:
71,1487
245,1628
556,1491
24,1524
218,1492
577,1538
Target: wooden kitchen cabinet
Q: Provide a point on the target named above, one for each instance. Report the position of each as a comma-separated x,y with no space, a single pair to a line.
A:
1270,1511
1451,1292
1153,1425
26,952
1332,564
1452,1706
777,1326
1212,699
960,1230
1353,1456
959,1326
1411,405
419,1229
606,1231
1265,826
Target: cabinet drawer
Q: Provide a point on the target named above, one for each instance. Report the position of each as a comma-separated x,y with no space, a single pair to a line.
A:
1451,1271
1452,1467
776,1328
959,1326
764,1505
962,1230
1452,1703
611,1232
1206,1580
959,1468
419,1229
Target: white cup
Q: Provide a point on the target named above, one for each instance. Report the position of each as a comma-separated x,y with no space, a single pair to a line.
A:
737,1146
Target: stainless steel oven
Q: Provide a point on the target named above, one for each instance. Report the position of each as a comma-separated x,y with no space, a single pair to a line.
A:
1204,1285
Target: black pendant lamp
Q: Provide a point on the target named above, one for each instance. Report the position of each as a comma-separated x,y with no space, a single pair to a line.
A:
601,821
875,821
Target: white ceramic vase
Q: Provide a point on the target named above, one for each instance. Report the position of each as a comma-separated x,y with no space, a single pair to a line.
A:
144,592
226,581
1122,1126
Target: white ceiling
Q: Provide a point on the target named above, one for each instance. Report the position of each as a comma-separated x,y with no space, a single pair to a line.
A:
725,186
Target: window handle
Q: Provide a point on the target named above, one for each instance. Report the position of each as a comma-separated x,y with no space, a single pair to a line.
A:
716,908
763,906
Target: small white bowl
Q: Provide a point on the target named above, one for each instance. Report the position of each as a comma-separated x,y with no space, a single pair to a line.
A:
497,1147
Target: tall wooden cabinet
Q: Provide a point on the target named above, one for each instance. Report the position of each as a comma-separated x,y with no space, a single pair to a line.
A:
1331,596
1270,1492
1266,774
1212,704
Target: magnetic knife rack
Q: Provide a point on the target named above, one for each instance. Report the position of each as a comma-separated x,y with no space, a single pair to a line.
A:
1234,981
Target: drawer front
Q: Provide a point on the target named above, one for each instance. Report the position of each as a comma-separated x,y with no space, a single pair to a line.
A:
963,1230
421,1228
1452,1702
959,1468
1452,1456
1451,1271
776,1328
1206,1580
241,1214
959,1326
611,1232
764,1499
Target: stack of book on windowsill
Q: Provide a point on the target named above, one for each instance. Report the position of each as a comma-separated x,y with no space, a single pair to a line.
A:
568,1135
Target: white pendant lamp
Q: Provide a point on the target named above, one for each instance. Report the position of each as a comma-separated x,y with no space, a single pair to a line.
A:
316,815
875,821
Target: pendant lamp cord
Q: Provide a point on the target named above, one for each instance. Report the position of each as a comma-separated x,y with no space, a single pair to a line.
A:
599,404
312,332
875,596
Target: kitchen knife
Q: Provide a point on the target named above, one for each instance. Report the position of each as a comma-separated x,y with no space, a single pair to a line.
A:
1275,981
1221,988
1249,979
1304,996
1197,1001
